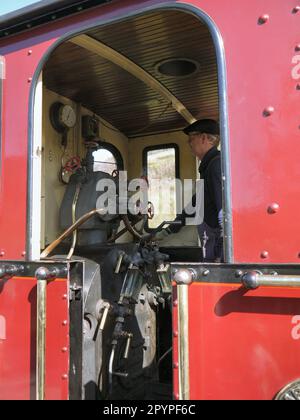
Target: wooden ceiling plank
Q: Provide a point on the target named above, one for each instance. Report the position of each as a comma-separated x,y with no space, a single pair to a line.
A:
112,55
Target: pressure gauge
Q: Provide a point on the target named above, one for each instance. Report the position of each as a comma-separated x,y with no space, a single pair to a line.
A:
62,116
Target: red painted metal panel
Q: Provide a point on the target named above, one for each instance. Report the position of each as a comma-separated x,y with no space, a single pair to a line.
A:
245,344
18,339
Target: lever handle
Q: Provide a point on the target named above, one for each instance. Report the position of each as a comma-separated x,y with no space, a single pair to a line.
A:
104,317
127,348
119,262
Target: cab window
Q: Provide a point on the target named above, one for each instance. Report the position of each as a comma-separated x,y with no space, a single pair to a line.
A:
161,165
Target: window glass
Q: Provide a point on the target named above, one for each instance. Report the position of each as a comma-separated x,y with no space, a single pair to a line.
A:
104,161
161,173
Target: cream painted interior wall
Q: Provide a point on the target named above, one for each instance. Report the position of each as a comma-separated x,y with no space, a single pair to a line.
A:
187,162
52,155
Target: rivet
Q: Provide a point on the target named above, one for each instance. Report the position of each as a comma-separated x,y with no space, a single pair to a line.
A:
64,376
206,273
29,80
263,19
64,349
175,333
175,303
65,297
79,8
53,17
296,9
2,253
64,323
268,111
28,25
23,254
176,396
29,52
175,365
273,208
297,48
264,254
298,86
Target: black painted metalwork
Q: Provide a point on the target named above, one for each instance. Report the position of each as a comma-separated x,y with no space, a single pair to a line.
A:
44,12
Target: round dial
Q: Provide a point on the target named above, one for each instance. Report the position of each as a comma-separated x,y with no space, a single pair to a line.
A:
67,116
62,116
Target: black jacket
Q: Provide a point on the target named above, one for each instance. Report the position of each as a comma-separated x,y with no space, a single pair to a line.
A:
210,172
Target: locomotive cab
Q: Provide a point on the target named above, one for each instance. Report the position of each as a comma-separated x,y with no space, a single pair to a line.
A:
113,103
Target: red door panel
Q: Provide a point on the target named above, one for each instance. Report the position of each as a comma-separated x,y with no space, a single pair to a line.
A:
242,341
18,339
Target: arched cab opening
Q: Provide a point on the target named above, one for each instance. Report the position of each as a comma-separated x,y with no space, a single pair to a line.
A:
114,102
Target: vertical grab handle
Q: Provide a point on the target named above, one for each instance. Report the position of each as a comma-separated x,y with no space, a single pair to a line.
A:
43,275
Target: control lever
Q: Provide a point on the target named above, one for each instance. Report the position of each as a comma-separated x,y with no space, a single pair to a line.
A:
163,224
119,262
128,343
125,355
104,317
103,308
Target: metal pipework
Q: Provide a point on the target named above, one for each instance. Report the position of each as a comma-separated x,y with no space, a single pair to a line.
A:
255,279
11,270
70,230
43,275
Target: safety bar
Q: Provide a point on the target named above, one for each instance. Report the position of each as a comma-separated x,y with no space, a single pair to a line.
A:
254,279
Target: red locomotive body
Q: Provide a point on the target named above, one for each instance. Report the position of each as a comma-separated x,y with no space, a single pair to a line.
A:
235,328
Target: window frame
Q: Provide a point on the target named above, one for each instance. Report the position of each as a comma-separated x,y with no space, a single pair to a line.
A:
115,152
163,146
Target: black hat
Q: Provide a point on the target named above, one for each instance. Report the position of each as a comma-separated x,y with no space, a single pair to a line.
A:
203,126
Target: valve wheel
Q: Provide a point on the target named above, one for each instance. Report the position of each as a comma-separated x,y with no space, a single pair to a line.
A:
72,164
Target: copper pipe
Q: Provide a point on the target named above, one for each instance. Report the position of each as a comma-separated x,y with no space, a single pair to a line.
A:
70,230
74,205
